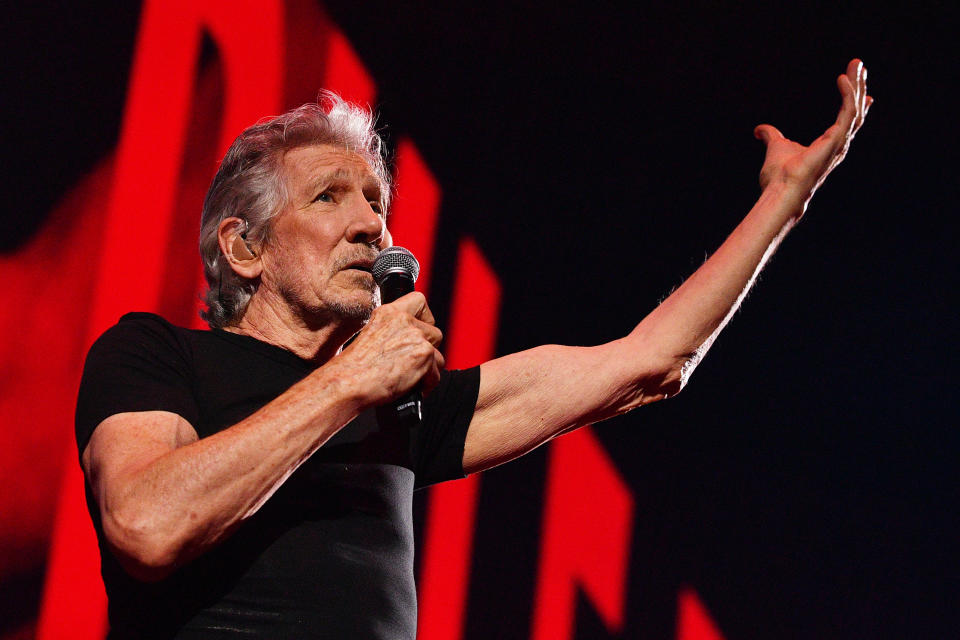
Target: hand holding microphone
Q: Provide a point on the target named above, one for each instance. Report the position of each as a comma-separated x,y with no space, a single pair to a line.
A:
395,271
395,355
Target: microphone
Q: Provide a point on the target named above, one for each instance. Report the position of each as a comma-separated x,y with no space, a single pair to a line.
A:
395,271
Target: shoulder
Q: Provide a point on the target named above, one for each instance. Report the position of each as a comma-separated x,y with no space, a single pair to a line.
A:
140,331
141,323
140,343
142,363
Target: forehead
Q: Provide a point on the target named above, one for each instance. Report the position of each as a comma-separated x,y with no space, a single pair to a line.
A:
307,166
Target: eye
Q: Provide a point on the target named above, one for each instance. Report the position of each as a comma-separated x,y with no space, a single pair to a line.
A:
377,209
324,196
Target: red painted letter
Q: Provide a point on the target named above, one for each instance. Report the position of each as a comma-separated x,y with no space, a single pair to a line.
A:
587,524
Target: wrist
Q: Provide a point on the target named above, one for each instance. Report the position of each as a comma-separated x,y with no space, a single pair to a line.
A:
789,200
346,385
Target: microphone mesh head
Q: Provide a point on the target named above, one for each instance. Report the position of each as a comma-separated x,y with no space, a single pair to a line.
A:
395,260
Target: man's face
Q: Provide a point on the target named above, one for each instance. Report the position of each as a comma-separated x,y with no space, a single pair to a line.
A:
323,243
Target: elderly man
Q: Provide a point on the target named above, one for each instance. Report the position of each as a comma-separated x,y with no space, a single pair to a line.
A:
242,482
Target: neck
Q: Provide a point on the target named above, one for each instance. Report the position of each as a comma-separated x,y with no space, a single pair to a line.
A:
314,339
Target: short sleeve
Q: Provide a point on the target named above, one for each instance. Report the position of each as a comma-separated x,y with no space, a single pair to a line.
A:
140,364
439,441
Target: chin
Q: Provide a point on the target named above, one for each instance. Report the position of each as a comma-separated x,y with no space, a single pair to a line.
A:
353,312
360,309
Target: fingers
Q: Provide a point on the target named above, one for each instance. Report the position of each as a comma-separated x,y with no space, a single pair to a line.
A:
413,306
396,351
766,133
791,163
415,303
848,107
854,69
431,378
410,310
433,335
867,100
862,98
857,76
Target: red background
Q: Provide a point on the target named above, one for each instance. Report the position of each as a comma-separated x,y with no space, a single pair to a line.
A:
557,172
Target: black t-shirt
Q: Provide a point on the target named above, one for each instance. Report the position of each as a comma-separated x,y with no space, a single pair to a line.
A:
330,554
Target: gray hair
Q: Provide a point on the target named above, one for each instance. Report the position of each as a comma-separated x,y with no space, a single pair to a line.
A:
250,185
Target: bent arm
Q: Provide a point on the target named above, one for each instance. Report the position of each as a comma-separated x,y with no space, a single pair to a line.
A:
166,496
529,397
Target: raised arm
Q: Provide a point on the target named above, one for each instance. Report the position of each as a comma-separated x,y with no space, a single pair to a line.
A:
529,397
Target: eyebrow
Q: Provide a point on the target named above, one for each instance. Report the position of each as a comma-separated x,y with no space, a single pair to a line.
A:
370,182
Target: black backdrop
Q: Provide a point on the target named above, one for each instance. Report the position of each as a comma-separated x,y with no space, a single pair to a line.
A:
804,482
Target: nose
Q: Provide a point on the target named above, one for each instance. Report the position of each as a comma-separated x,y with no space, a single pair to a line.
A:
366,225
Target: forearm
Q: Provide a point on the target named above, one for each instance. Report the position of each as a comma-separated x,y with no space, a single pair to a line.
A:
165,496
687,323
160,512
530,397
682,328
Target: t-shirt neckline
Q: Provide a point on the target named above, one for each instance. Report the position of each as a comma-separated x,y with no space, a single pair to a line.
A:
271,351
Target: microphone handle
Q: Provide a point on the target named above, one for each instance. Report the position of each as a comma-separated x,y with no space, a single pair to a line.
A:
393,286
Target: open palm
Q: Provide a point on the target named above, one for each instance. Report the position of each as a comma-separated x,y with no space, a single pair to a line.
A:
793,165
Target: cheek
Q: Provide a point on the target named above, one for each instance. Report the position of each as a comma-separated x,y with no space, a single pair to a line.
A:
297,255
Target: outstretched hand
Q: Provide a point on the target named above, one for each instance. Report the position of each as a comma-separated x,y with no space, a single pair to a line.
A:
795,166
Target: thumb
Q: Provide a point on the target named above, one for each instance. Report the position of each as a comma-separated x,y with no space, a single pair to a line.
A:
766,133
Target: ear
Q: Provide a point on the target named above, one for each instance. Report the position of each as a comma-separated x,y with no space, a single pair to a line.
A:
237,251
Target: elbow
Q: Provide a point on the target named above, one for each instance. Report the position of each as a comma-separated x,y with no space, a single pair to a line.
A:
668,380
657,383
654,373
678,373
149,565
672,375
672,380
137,544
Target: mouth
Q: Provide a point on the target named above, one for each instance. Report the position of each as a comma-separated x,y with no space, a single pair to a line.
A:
363,266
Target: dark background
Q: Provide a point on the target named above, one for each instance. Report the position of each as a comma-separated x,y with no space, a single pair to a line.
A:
804,483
